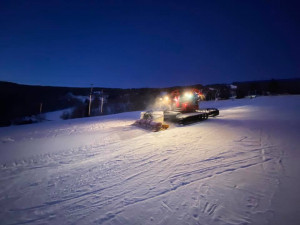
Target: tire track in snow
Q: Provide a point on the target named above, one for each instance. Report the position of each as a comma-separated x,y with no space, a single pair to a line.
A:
240,165
146,172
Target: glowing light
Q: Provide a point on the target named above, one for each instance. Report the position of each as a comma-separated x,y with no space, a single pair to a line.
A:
166,98
188,95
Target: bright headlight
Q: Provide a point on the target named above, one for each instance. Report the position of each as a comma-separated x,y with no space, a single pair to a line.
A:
188,95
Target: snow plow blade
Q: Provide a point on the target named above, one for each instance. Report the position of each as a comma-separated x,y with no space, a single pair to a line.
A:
153,121
151,125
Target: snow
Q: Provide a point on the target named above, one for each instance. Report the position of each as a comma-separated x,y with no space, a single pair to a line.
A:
56,115
238,168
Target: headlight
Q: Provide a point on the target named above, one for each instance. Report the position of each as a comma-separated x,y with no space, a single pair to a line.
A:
188,95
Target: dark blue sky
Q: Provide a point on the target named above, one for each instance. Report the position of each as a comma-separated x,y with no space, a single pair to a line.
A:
131,44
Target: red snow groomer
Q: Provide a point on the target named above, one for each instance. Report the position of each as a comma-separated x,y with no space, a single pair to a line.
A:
180,107
185,107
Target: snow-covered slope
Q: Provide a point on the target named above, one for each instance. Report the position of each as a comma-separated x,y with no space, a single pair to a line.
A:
239,168
56,115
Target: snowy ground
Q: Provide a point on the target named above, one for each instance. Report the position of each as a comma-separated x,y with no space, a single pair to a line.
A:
239,168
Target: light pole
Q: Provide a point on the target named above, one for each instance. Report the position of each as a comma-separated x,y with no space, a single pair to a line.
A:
102,100
41,107
90,102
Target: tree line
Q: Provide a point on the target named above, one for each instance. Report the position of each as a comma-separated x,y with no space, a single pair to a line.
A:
21,101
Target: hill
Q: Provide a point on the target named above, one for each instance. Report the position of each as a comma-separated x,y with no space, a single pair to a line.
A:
241,167
19,101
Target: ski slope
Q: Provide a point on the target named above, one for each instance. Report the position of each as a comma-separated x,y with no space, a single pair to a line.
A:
241,167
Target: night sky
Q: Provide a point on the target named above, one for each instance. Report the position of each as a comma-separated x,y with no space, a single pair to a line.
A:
132,44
